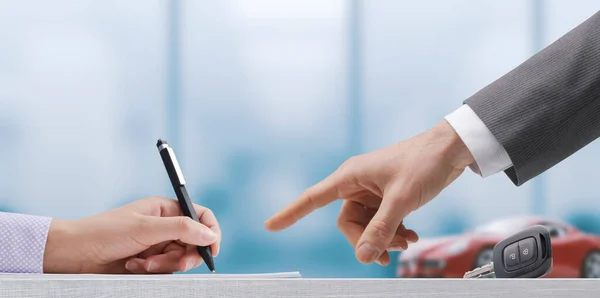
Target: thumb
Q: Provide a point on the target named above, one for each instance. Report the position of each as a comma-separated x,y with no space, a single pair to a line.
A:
153,230
381,230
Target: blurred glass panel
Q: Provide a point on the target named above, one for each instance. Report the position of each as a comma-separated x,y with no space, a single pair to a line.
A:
81,103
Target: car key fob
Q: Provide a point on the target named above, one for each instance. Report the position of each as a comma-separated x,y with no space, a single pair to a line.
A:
526,254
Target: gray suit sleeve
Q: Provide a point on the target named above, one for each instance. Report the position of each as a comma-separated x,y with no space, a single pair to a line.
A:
547,108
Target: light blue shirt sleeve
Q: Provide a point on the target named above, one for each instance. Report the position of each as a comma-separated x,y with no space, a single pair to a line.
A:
22,242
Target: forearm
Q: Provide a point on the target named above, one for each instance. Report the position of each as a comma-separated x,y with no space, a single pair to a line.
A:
59,254
548,107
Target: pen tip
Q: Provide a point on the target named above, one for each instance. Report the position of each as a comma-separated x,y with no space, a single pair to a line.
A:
213,272
160,142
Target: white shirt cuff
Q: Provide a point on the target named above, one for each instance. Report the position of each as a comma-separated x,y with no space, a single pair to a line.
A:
490,156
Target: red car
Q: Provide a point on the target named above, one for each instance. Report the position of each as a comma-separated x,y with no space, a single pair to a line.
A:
575,254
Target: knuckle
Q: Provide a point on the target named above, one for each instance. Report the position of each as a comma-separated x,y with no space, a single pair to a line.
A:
209,213
351,168
184,224
349,164
380,230
310,197
344,228
153,200
199,208
340,223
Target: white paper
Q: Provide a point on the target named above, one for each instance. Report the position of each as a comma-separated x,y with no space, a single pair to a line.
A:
4,276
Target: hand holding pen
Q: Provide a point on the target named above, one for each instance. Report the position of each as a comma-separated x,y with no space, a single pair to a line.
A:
178,183
146,236
152,235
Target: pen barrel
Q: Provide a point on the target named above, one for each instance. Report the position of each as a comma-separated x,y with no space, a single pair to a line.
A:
186,205
206,254
180,191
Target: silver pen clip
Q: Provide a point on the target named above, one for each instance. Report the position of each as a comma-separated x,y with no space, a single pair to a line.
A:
176,165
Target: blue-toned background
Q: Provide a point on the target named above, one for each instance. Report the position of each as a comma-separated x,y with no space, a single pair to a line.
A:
260,99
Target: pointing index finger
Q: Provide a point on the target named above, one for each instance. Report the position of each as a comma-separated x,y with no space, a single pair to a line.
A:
315,197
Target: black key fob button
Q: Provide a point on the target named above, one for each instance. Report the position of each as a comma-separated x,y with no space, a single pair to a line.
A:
527,251
511,256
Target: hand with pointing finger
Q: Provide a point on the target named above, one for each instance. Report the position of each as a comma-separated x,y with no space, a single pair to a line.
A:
147,236
381,188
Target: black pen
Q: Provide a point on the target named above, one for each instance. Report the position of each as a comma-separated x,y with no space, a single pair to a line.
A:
178,182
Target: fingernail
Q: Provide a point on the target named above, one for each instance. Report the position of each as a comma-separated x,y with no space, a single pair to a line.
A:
378,262
152,266
367,252
190,264
131,266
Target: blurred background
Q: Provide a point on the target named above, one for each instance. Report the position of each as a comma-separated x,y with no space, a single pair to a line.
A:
260,99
